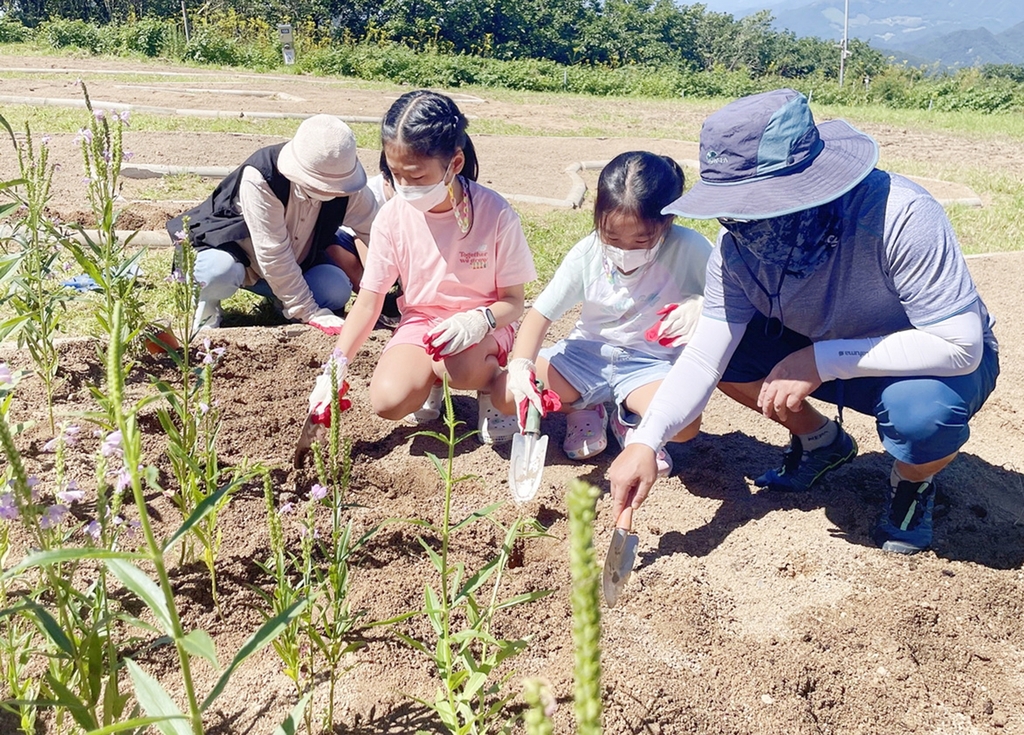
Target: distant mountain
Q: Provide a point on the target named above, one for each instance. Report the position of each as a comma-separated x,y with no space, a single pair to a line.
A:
968,48
952,32
897,23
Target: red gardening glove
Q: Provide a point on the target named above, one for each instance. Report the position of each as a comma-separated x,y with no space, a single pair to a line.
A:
677,324
321,415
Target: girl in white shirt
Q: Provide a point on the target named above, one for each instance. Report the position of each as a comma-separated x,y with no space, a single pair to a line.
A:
640,279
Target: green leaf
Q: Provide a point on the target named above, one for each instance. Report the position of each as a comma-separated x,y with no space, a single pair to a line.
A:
58,556
7,127
474,582
208,504
199,643
474,684
145,589
10,326
52,629
262,637
520,599
137,723
477,515
293,721
157,702
434,556
433,609
413,643
67,699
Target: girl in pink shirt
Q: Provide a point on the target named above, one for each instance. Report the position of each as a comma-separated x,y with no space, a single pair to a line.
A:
459,251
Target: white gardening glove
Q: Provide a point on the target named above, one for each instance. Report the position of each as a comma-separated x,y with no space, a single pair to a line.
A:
320,398
522,383
327,321
456,333
678,323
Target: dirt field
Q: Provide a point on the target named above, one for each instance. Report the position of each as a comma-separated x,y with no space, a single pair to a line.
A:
749,612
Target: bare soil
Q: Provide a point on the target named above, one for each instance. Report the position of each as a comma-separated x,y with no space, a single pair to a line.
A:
748,612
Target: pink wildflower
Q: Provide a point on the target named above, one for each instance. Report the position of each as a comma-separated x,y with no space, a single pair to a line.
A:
8,508
52,516
71,494
111,444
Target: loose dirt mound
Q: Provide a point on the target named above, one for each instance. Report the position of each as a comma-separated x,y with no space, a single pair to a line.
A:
748,612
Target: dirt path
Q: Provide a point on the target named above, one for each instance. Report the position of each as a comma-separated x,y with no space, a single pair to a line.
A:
748,613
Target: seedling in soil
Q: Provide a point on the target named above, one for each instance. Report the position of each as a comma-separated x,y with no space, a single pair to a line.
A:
157,595
471,662
32,271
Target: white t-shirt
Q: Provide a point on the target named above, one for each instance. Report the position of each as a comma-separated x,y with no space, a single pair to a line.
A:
618,308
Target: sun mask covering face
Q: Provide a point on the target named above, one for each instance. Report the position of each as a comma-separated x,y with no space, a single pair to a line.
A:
425,198
799,242
315,196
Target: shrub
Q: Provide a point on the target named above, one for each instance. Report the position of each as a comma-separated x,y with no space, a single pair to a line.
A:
144,37
11,31
209,47
60,33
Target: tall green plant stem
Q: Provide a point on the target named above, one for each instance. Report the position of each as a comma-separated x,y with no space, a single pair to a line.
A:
586,609
132,457
446,612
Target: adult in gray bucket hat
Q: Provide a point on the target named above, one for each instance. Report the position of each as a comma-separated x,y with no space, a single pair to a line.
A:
272,227
831,279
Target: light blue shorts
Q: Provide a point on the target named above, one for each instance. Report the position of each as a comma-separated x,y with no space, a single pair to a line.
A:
601,372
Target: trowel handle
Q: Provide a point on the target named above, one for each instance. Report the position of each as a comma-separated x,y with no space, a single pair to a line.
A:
625,519
532,414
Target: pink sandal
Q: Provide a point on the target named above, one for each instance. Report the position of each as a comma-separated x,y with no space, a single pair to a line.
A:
586,433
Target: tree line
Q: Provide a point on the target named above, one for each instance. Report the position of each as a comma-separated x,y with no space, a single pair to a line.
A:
611,33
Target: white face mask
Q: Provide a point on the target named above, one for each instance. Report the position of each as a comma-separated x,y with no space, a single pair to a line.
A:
425,198
629,260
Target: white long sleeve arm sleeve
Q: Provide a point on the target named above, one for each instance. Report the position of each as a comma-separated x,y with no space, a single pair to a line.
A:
946,348
687,388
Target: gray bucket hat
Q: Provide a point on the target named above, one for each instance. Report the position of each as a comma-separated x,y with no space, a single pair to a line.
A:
762,156
322,157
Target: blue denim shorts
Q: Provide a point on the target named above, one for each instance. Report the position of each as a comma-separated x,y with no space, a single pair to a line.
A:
919,419
601,372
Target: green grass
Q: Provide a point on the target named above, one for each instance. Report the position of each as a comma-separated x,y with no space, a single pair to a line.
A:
69,120
176,187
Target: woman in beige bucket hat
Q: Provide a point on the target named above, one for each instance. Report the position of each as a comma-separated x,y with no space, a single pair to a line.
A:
272,227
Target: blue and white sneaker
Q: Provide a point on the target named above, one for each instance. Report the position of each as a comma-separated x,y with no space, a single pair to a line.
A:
906,523
801,470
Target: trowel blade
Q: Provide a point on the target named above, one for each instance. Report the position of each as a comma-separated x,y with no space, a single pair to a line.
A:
306,438
618,564
526,465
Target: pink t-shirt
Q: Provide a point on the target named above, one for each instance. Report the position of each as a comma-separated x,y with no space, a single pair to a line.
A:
443,271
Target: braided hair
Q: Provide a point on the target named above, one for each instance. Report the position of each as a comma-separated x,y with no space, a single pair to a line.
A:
431,125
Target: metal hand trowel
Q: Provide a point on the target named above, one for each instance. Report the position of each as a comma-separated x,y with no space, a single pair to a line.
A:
621,556
307,436
529,450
